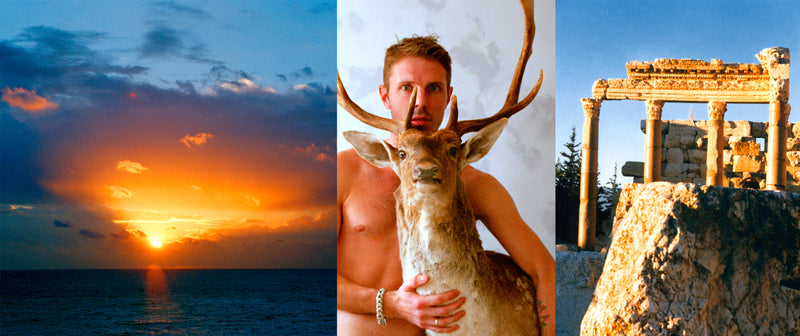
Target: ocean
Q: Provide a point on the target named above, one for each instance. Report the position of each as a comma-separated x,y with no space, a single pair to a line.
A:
168,302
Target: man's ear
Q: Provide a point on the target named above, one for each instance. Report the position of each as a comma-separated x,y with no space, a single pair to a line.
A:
480,143
370,148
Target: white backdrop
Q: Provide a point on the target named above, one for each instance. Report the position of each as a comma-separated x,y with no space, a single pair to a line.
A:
484,39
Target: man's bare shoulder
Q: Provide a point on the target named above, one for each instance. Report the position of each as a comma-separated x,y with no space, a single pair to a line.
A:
475,180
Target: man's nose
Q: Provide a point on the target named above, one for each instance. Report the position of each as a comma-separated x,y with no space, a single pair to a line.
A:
422,99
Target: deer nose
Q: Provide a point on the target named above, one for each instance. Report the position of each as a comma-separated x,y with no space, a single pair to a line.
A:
425,170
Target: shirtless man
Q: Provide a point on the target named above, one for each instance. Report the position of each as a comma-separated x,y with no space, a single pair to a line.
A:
367,244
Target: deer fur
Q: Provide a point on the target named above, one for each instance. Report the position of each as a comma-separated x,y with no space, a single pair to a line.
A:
437,233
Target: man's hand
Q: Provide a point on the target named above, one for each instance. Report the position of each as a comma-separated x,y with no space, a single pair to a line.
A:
424,310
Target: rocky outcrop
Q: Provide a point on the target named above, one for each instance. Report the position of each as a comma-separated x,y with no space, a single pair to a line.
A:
699,260
577,273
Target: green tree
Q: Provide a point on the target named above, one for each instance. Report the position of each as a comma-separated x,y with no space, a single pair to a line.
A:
568,182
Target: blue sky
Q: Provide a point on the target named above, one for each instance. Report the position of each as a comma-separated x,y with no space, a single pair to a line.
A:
595,39
180,134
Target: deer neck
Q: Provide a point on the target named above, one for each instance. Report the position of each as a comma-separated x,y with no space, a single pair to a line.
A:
436,234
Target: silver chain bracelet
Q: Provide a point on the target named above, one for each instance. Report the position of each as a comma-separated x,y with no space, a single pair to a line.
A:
379,307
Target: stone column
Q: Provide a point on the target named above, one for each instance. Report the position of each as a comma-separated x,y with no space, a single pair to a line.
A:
652,155
587,216
715,171
776,62
776,147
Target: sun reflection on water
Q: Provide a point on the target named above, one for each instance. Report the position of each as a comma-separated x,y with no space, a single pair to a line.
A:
160,312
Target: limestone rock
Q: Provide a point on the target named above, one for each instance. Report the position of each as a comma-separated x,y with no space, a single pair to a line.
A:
576,276
700,260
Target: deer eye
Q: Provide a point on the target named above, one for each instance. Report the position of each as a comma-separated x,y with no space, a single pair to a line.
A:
402,155
453,151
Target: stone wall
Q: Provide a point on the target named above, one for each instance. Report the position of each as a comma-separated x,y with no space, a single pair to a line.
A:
700,260
683,155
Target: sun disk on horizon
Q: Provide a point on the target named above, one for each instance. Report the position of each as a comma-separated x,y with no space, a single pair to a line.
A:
156,243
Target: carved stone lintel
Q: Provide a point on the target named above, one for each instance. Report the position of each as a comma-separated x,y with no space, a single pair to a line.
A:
591,107
716,110
599,89
654,109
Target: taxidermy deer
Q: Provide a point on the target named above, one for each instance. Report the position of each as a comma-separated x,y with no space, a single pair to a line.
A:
435,225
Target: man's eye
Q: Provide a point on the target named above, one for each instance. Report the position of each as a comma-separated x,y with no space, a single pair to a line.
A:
435,88
405,87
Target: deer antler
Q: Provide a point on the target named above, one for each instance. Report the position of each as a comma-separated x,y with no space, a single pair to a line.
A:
344,101
512,104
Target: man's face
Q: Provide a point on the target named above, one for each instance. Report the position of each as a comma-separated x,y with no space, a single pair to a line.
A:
433,94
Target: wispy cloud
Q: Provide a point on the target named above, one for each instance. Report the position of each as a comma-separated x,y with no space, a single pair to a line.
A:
58,223
131,167
120,192
27,100
91,234
198,139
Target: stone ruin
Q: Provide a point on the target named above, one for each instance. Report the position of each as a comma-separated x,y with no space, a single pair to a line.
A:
683,154
689,81
693,258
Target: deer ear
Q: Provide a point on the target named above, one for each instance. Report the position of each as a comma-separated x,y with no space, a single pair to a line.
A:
370,148
483,140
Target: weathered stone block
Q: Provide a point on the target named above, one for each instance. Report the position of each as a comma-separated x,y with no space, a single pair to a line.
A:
633,168
695,168
727,157
688,141
683,127
747,163
673,155
795,130
672,169
793,158
701,142
758,129
671,141
738,128
696,155
793,144
576,276
700,260
745,148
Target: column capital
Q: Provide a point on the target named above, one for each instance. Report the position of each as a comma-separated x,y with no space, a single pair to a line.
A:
716,110
654,109
779,89
591,107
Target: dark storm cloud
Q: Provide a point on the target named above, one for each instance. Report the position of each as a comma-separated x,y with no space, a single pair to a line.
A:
305,73
91,234
19,169
54,59
58,223
165,42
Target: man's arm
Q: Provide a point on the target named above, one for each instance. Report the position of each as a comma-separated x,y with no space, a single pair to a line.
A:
404,303
496,209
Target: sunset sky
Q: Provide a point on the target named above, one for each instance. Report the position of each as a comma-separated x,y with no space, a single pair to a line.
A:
207,129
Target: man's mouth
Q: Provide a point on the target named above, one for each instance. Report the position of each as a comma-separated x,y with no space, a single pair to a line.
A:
420,121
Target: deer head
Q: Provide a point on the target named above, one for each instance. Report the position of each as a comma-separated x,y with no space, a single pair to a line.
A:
432,161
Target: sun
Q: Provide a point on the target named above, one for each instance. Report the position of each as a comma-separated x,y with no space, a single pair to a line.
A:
156,243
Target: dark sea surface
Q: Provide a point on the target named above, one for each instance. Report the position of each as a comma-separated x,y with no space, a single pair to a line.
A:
168,302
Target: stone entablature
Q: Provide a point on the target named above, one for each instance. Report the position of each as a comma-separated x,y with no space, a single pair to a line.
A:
689,80
684,144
